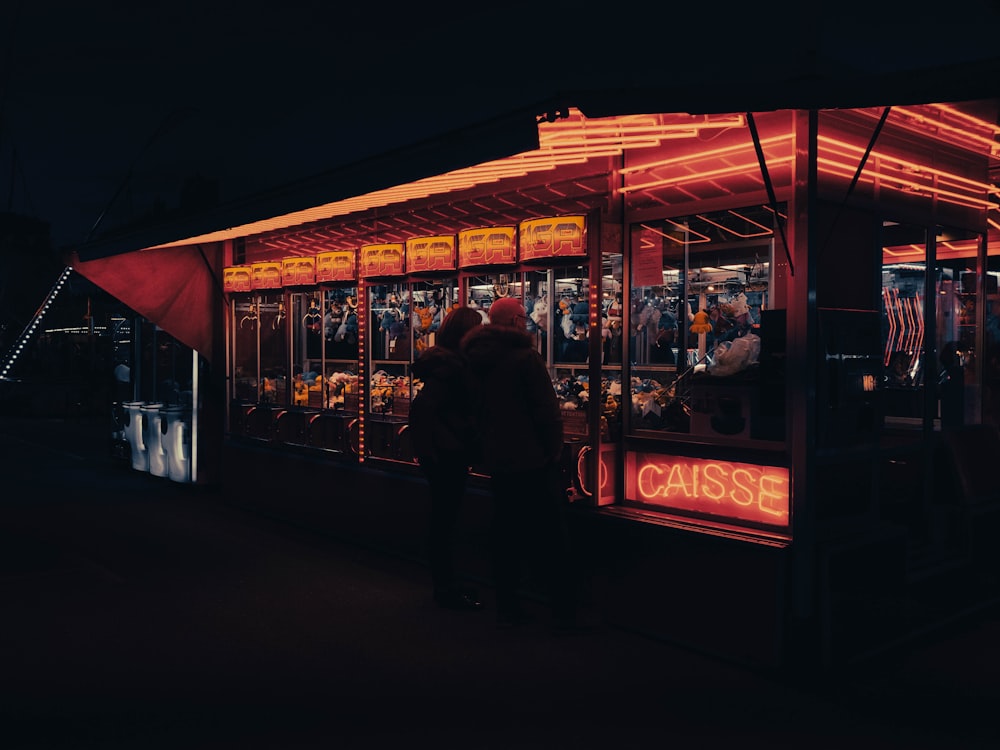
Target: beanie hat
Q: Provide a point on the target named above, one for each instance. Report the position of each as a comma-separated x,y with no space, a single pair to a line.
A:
506,311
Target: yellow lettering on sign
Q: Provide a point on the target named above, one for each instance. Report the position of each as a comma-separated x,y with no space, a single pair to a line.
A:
488,246
430,254
556,237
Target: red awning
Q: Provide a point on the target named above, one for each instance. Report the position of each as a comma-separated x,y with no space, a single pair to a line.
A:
177,288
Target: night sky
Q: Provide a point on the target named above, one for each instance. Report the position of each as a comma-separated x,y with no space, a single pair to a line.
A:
110,106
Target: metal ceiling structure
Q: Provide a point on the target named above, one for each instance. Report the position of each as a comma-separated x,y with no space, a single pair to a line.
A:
490,174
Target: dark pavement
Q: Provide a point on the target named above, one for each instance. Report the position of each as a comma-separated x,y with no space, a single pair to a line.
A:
139,613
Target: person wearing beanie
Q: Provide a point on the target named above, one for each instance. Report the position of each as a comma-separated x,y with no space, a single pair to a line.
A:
521,439
443,436
508,312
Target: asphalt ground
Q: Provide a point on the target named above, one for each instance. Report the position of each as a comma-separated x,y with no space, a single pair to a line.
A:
142,613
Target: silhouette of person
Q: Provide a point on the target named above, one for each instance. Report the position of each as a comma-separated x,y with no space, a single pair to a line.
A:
441,429
521,431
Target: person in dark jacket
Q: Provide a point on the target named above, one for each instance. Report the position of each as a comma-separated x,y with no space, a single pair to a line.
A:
441,429
521,436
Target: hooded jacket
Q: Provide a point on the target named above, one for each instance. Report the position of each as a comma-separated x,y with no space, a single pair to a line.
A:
441,421
517,412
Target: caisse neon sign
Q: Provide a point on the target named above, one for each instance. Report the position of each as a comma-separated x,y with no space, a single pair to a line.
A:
742,491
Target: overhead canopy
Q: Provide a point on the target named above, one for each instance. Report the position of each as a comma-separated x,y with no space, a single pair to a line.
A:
176,283
504,136
757,92
516,132
177,288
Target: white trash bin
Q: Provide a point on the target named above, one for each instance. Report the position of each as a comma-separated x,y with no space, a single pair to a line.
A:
177,442
133,435
152,438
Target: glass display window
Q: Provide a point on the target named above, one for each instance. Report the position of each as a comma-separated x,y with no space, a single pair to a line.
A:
260,349
340,349
557,303
306,327
272,334
930,328
612,317
324,331
904,330
700,288
957,324
431,302
246,346
163,371
390,347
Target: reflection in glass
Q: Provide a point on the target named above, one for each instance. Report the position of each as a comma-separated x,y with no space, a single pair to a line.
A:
904,282
956,326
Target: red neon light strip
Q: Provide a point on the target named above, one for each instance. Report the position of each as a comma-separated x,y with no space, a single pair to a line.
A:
362,314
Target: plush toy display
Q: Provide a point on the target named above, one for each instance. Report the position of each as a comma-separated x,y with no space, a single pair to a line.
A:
701,323
540,312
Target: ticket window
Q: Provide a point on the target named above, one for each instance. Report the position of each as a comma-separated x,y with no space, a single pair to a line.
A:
698,284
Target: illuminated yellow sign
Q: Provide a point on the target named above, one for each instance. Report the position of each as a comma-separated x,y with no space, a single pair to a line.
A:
381,260
298,271
430,254
335,265
558,237
237,279
266,274
487,247
730,489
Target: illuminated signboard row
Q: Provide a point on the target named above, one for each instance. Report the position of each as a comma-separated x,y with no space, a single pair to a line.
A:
531,240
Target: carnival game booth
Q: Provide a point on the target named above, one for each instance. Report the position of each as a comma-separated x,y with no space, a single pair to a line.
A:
748,318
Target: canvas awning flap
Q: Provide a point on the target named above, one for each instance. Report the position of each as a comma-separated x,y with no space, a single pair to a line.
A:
178,288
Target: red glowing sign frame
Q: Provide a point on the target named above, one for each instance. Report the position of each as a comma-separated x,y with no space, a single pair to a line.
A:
436,253
558,237
237,279
490,246
335,265
381,260
298,270
728,489
266,274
